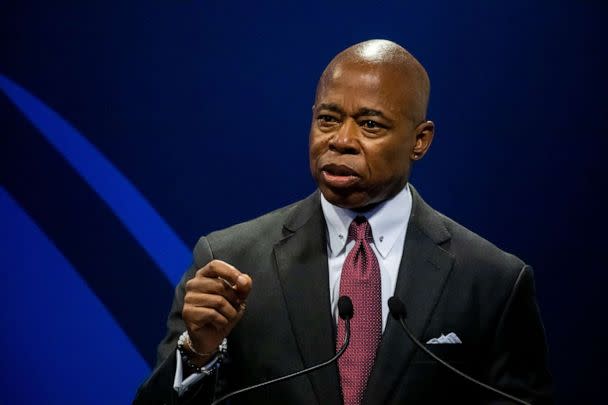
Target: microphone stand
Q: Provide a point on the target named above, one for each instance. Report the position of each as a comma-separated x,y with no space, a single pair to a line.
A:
345,310
297,373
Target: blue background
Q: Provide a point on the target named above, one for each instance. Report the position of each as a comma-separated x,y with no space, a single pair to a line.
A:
129,129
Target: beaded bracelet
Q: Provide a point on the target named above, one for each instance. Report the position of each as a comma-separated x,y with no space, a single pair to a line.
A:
184,341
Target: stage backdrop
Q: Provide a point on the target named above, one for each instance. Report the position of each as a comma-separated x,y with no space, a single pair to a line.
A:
129,129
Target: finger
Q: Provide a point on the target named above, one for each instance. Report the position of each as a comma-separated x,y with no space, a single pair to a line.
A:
201,316
241,311
217,302
243,286
240,282
220,269
212,286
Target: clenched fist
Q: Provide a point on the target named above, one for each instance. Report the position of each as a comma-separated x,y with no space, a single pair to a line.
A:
213,304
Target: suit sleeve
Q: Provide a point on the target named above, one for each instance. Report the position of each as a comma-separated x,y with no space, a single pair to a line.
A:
518,363
158,388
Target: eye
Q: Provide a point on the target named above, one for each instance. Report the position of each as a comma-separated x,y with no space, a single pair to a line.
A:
326,118
327,121
371,125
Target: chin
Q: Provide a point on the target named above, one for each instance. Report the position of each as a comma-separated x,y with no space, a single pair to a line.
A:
346,199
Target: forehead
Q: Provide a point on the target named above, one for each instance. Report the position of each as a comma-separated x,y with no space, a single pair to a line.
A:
358,86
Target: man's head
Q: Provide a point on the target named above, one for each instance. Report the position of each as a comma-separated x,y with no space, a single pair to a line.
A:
369,124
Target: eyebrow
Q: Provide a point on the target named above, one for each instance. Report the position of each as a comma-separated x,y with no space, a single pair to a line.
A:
369,112
331,107
360,113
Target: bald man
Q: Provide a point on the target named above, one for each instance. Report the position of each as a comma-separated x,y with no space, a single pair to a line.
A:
260,299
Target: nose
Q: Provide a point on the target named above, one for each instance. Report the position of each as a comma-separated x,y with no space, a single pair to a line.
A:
345,139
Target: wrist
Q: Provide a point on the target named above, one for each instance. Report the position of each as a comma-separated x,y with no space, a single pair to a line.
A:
200,362
188,345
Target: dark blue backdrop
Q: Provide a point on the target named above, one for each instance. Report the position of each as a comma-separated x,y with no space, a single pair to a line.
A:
128,129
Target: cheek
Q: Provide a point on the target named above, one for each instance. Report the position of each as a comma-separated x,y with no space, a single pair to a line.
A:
392,162
316,144
313,151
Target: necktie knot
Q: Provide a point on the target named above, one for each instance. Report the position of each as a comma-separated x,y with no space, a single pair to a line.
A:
360,230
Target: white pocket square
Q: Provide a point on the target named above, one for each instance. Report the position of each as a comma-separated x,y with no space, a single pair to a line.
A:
450,338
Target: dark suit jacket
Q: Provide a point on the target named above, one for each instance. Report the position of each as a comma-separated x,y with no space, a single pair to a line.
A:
450,279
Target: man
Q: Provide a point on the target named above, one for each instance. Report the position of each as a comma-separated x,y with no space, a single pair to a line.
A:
271,285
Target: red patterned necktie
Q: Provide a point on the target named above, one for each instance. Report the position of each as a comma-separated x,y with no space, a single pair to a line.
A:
360,280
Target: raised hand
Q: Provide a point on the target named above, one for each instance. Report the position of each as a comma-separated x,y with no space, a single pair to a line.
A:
213,305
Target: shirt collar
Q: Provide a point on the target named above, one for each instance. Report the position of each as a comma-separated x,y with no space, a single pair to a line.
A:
387,220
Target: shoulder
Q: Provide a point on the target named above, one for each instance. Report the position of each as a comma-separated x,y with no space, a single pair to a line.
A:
493,273
481,272
469,248
472,254
257,234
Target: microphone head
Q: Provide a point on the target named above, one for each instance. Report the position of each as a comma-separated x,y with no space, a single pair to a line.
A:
396,307
345,307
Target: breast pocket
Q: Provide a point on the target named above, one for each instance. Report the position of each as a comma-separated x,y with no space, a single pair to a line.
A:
455,353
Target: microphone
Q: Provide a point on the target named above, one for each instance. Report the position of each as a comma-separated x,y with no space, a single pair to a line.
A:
345,311
397,310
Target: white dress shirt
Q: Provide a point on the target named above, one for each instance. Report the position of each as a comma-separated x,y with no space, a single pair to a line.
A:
388,221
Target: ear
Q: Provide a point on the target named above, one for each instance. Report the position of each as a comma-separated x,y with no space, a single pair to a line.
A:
424,136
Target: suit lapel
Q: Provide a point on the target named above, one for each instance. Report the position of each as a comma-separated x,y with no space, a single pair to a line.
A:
301,259
423,271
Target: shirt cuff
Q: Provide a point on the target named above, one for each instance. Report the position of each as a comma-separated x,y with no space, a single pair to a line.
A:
179,384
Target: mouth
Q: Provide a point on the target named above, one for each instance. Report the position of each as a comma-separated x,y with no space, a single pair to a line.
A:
339,176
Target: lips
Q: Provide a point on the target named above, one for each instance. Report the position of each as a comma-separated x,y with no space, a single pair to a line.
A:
339,170
339,176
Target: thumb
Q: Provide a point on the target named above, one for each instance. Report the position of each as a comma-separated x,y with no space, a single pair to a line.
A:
241,312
